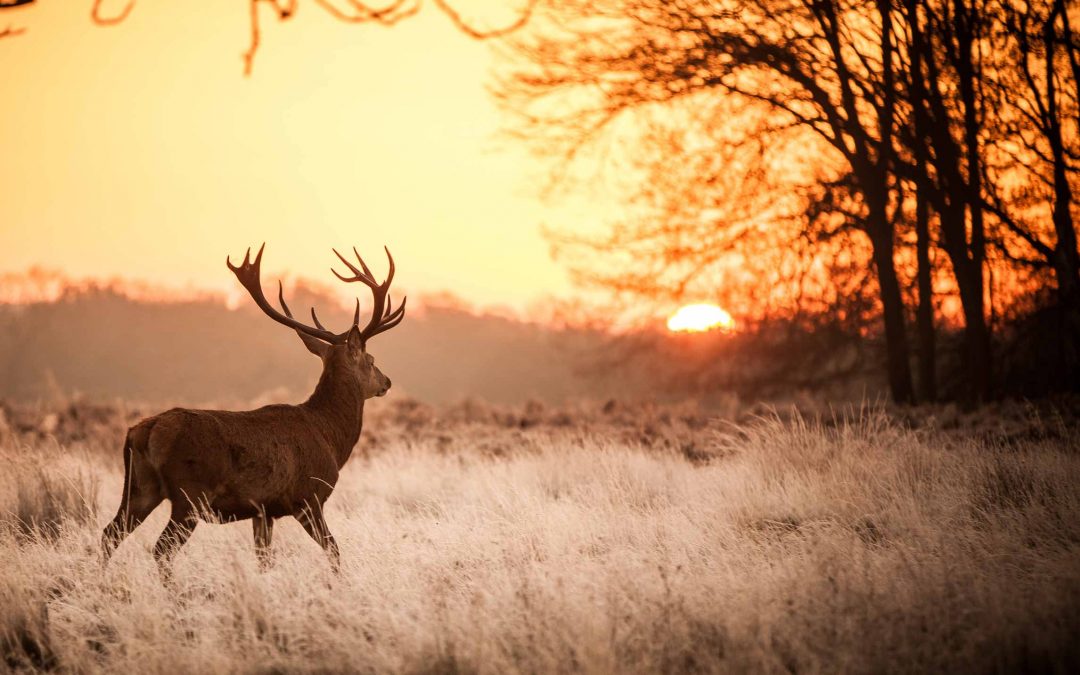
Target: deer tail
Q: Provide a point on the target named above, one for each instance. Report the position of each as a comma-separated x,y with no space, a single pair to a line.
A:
128,450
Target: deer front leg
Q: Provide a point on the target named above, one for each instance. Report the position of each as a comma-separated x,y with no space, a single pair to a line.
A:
263,527
315,525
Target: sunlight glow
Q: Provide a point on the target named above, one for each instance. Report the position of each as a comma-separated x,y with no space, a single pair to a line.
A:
699,318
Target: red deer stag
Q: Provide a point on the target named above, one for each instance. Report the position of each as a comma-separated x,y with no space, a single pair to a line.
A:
279,460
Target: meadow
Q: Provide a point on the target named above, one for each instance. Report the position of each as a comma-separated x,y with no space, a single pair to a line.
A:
593,538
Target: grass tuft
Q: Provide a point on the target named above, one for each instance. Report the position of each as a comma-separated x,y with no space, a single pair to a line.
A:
45,501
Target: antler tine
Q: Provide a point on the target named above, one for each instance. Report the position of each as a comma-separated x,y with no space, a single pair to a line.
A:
366,270
397,313
348,264
390,312
391,321
390,272
247,259
285,307
363,277
281,299
356,314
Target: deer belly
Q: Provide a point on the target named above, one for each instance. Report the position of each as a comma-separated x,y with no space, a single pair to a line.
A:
253,485
256,482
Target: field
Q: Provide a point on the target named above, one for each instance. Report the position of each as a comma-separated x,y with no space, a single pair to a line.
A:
597,538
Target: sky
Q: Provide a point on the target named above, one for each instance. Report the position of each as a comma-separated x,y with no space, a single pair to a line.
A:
140,151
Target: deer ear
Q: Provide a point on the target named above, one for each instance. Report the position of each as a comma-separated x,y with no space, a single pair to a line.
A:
355,341
314,345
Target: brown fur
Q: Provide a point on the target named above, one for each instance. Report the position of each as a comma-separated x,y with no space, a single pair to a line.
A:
276,461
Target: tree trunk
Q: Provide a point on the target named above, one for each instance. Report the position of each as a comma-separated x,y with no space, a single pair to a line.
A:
892,303
969,281
881,227
969,252
976,335
924,315
925,312
1066,256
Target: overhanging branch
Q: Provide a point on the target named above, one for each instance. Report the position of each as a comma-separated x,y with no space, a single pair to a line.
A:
100,19
346,11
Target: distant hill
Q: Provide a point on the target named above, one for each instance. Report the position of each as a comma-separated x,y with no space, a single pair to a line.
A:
105,340
99,342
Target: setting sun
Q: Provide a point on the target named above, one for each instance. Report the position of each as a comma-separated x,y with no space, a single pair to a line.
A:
699,318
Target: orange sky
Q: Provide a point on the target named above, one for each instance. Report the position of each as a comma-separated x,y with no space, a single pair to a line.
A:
140,150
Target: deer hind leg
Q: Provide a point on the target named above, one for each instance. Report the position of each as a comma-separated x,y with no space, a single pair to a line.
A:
142,494
263,527
182,523
315,525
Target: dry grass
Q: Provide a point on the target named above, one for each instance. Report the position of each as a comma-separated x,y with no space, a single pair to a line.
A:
555,541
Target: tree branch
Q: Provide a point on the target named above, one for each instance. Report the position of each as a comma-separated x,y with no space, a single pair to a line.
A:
99,19
479,34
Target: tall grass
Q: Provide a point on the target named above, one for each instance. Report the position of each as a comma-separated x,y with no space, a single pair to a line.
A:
46,491
852,544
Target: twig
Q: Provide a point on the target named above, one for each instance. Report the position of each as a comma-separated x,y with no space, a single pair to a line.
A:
284,12
461,25
95,14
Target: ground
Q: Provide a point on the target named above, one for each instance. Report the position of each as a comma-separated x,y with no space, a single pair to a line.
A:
595,538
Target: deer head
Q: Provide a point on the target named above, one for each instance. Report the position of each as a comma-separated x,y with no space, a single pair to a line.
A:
345,353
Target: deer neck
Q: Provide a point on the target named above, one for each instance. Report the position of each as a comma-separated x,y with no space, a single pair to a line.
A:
338,405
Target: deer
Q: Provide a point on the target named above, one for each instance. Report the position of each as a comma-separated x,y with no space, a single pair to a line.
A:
276,461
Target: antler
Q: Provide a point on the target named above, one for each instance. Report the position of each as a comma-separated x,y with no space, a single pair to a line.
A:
248,274
383,315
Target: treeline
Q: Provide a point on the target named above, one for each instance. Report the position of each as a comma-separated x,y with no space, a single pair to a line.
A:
898,166
99,343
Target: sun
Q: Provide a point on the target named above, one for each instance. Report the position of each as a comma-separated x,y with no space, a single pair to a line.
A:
699,318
